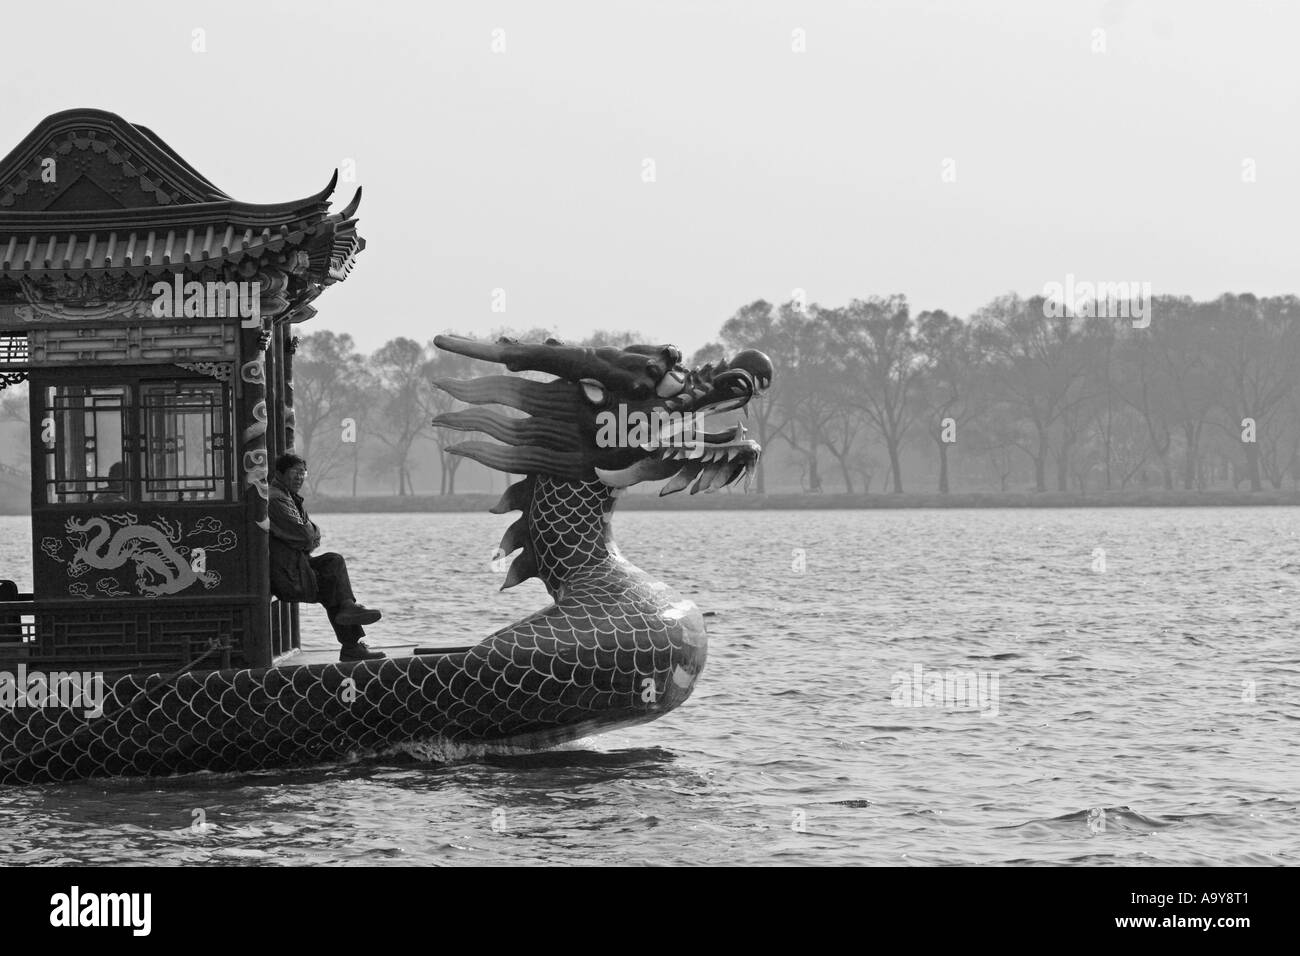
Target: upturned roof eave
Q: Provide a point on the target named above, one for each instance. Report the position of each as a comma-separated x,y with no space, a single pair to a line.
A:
195,224
251,215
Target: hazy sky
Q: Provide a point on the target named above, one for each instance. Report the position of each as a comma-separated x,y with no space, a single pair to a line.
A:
774,169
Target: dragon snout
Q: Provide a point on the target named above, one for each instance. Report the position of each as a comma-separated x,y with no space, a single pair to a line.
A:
734,383
742,378
756,364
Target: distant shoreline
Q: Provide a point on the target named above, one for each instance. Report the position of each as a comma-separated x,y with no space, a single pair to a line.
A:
808,502
479,502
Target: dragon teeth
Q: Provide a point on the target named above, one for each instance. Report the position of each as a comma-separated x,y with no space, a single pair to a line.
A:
718,477
707,477
680,480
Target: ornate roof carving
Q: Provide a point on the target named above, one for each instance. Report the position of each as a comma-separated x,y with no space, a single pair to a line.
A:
126,165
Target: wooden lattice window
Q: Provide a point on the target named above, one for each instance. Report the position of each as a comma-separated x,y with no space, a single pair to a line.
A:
85,443
137,440
13,349
183,426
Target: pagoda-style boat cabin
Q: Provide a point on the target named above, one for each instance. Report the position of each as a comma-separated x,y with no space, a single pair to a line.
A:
152,317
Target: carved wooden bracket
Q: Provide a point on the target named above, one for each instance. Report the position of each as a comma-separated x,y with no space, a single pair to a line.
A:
221,371
12,378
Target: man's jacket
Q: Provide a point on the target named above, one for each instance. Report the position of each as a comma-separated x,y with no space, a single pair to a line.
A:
294,536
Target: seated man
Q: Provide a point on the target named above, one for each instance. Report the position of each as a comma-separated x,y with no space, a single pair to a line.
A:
116,490
322,579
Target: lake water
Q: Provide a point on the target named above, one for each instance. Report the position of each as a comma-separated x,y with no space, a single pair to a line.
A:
1147,713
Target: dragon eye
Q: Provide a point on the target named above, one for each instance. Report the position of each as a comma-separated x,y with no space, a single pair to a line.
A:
594,391
672,383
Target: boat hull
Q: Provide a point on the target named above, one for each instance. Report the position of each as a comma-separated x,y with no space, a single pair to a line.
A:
517,691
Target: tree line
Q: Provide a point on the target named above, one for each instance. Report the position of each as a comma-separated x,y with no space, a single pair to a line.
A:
1019,394
1203,392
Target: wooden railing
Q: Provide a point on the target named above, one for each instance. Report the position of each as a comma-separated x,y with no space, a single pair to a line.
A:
123,635
19,618
17,624
284,627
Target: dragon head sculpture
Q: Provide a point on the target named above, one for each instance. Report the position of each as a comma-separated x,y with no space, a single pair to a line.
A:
620,415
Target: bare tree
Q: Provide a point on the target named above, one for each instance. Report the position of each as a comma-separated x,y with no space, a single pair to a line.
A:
1039,367
401,369
328,388
1255,359
953,382
875,341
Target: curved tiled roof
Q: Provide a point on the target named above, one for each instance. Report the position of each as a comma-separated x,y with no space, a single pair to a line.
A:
123,201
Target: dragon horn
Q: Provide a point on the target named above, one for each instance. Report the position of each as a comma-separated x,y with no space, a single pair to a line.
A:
472,348
564,361
513,431
555,401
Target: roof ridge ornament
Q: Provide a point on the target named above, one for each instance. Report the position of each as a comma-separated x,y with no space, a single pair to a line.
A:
351,208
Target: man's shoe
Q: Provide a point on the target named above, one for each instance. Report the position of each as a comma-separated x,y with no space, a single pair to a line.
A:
357,614
359,652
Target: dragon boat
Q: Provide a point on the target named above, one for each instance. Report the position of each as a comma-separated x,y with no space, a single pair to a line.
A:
152,317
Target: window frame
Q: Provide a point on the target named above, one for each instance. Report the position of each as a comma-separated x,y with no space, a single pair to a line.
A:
137,381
